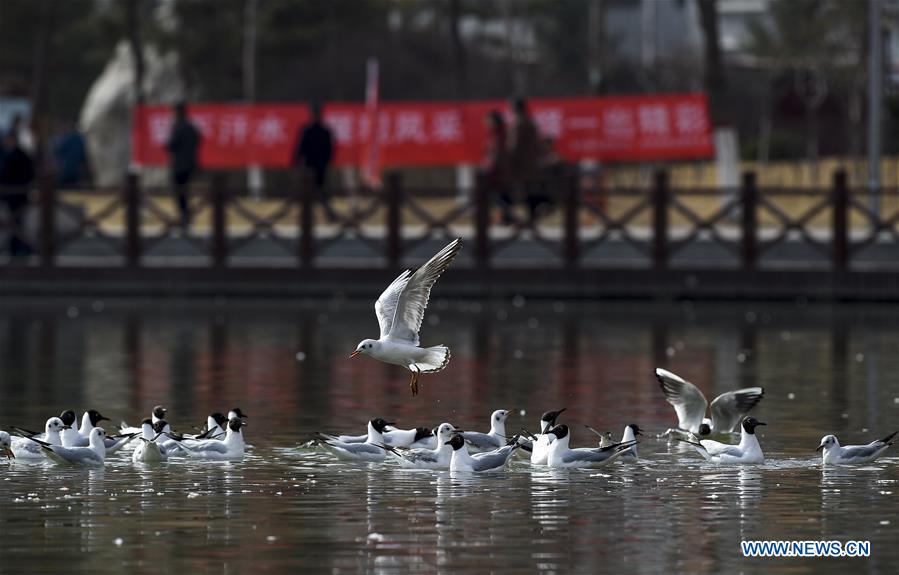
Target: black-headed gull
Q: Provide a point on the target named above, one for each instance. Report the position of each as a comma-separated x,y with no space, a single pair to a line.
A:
727,410
24,448
93,455
495,438
748,451
540,446
232,447
464,461
393,437
834,453
437,458
149,448
370,450
158,412
400,310
561,455
631,431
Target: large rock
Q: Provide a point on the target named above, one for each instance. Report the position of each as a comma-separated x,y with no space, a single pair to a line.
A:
107,111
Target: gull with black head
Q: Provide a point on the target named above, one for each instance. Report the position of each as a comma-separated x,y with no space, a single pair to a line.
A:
420,458
371,450
561,455
727,410
748,451
462,460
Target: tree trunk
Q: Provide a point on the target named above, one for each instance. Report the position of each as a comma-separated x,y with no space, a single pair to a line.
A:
715,79
39,120
459,61
132,18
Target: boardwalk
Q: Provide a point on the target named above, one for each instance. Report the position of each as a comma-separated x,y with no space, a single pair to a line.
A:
620,242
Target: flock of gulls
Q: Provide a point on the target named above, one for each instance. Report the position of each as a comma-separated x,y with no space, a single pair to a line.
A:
64,443
707,428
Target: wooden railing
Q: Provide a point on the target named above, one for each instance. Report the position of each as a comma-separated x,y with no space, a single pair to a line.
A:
659,225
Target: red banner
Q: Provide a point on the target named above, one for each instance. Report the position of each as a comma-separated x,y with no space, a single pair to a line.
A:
626,128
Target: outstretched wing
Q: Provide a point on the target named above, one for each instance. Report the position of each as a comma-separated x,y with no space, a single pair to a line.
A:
688,401
410,307
385,307
728,409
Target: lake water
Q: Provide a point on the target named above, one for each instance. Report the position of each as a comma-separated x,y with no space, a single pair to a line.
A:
287,509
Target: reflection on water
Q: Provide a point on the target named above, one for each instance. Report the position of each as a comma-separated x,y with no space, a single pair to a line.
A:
825,370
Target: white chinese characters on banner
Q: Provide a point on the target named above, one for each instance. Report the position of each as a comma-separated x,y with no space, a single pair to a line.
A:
271,131
446,127
342,124
549,122
160,127
409,126
654,120
233,129
689,118
618,122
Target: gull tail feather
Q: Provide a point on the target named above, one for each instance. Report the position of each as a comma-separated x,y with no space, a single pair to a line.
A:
889,438
698,447
21,431
436,359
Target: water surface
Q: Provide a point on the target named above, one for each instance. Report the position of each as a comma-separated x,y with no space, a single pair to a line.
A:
286,509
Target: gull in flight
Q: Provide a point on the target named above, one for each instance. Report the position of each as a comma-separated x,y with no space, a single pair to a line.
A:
728,409
400,310
748,451
833,452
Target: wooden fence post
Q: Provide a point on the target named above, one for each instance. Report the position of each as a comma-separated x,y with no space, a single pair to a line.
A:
307,218
482,223
750,223
840,250
219,221
660,221
132,220
48,221
572,205
394,225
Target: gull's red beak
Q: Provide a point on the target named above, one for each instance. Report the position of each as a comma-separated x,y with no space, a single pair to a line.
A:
355,353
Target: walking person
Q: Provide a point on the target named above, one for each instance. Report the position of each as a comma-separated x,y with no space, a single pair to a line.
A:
313,152
16,177
184,147
524,152
497,164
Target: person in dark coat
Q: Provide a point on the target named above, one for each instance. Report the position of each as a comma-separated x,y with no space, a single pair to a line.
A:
497,164
524,153
16,177
184,149
313,152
